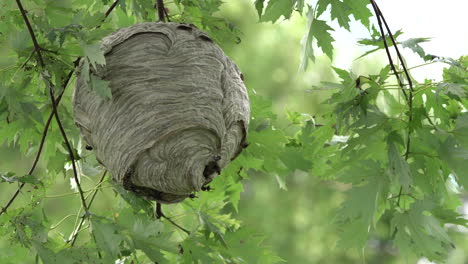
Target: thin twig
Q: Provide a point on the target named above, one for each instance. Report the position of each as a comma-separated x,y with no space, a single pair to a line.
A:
28,59
177,225
75,193
158,214
73,239
99,183
61,221
399,195
167,15
420,65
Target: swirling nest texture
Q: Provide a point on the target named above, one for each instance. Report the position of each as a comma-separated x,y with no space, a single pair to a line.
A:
179,111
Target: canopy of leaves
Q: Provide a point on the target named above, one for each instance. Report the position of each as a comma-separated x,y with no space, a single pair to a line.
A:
398,151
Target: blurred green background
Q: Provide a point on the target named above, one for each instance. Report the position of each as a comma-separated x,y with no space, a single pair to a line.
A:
297,222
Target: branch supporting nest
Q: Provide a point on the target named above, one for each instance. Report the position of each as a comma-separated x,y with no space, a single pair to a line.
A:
158,213
161,10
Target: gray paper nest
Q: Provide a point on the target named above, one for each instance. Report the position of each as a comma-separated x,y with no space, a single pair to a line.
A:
178,115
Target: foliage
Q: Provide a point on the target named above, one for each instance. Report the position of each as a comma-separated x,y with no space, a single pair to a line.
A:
399,146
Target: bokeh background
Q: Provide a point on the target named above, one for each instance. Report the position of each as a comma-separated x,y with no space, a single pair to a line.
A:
298,222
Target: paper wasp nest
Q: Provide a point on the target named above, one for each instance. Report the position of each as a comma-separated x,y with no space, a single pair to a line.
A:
179,112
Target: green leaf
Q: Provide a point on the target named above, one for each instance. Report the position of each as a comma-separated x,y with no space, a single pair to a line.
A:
449,216
455,90
10,177
244,244
313,139
108,237
233,192
293,158
59,12
67,255
340,11
391,106
322,5
93,54
316,30
276,9
413,44
150,237
399,167
458,71
461,129
211,228
360,11
259,7
299,5
136,202
420,233
358,213
319,30
100,86
377,41
197,250
457,159
20,41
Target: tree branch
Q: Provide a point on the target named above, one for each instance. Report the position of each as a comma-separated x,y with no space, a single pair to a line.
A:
400,57
161,12
57,101
67,143
158,214
37,48
387,50
167,15
408,77
409,97
46,76
110,10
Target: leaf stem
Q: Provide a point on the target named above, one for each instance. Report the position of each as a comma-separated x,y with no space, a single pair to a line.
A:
420,65
73,193
61,221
